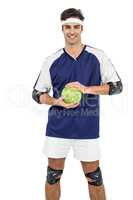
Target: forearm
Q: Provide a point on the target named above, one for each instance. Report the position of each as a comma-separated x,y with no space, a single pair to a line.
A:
97,90
46,99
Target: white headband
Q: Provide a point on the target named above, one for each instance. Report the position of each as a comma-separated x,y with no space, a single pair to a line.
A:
72,20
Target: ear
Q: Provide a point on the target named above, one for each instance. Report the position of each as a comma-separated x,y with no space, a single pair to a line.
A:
81,28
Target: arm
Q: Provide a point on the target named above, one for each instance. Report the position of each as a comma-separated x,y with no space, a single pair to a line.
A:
45,98
109,88
110,81
43,86
102,89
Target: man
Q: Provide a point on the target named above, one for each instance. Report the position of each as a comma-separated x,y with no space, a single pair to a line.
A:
74,125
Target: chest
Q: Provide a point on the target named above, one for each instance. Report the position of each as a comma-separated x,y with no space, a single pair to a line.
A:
85,70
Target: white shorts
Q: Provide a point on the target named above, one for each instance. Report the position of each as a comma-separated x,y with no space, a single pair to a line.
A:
83,149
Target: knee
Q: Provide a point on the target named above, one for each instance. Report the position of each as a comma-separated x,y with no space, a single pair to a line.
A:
53,175
95,177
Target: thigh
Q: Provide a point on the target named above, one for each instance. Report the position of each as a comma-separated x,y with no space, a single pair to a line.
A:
56,163
56,147
87,150
89,166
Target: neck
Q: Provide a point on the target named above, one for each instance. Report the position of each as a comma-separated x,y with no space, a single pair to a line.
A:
74,47
74,50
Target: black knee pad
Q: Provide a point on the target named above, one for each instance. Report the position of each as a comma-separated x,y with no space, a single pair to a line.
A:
52,175
96,177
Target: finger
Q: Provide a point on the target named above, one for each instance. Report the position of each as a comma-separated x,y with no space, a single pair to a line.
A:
61,98
73,85
70,83
73,106
70,86
75,82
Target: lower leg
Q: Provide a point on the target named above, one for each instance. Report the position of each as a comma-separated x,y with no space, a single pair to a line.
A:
96,190
52,185
52,192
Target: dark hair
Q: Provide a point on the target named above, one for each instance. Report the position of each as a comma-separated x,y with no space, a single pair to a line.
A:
72,12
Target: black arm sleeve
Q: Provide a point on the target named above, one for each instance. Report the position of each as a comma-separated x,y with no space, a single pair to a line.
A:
115,87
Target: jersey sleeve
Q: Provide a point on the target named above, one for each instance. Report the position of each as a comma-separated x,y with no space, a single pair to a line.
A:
108,71
43,82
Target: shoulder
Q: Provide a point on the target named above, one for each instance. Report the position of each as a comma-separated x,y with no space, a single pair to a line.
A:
49,60
54,55
99,53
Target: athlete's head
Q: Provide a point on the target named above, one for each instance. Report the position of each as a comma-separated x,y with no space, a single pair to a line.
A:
72,25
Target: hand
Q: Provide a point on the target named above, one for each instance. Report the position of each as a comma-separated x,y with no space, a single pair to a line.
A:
60,102
76,85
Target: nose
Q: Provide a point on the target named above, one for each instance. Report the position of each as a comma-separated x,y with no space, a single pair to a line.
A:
72,30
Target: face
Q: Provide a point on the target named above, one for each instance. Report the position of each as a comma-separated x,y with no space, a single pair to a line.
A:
72,33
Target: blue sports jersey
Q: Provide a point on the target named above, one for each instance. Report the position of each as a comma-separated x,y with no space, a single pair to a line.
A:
91,68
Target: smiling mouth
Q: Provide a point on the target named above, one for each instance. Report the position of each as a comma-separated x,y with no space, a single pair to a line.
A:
71,37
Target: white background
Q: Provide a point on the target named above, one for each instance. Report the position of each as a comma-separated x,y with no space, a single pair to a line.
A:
30,31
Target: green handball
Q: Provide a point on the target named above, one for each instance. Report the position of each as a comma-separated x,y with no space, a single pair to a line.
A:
71,95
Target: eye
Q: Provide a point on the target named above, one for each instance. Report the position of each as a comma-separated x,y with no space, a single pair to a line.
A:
67,27
77,26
